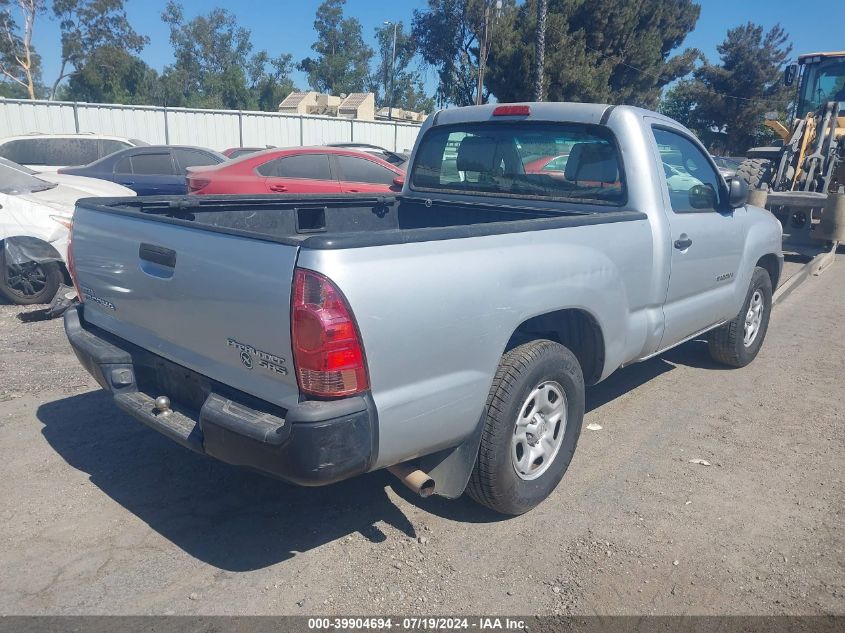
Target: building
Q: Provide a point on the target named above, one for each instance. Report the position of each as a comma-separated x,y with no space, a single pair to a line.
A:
357,105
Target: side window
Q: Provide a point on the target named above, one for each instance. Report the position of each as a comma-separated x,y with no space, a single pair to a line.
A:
305,166
71,151
109,146
693,184
123,166
193,158
20,152
354,169
153,165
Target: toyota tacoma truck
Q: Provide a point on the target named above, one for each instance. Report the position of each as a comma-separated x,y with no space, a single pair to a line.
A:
446,333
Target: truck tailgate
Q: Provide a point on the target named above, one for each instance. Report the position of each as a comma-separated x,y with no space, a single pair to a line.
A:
216,303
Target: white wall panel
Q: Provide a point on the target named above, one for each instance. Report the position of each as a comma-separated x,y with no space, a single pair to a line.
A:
24,117
320,130
216,129
146,124
278,130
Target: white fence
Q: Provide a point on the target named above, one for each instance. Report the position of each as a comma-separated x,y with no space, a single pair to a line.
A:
215,129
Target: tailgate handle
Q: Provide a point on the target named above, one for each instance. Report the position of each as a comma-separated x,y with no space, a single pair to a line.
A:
158,255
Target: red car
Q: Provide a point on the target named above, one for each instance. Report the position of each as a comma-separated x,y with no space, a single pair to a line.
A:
298,170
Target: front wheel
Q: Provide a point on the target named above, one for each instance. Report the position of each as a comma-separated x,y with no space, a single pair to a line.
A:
534,414
737,342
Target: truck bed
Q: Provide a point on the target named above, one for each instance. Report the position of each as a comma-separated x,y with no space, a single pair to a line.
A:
354,221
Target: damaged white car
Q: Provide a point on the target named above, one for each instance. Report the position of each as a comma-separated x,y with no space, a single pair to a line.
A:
35,215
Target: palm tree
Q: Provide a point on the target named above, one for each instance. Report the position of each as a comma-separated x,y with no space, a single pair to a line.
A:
540,48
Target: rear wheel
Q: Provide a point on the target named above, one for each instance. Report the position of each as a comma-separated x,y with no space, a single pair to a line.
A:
534,414
756,172
29,282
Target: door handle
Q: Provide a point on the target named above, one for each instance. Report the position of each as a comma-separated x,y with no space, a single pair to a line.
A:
279,188
353,191
158,255
683,242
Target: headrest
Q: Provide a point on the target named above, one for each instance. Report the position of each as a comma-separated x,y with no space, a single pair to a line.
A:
475,153
592,161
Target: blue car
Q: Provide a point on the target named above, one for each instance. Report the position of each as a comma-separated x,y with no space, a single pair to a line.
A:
154,170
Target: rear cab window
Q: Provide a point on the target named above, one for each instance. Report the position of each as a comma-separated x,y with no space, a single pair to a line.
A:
544,160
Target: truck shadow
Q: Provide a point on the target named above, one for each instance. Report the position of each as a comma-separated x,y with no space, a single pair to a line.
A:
238,520
227,516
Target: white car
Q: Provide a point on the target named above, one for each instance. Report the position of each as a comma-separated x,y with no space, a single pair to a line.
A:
35,215
678,180
50,152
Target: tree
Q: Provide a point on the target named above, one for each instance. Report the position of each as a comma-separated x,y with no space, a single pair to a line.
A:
20,65
89,25
343,59
678,103
215,66
112,75
408,89
728,101
448,36
617,51
270,80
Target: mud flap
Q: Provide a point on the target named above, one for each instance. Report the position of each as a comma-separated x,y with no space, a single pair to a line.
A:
452,468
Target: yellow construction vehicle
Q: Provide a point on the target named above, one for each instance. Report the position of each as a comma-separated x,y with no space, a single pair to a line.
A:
803,178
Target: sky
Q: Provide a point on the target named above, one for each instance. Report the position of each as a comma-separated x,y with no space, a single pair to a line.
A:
285,26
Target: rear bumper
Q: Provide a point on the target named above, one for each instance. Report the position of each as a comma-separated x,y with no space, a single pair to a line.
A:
312,444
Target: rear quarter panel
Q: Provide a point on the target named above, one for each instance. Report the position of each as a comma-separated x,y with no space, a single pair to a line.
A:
435,317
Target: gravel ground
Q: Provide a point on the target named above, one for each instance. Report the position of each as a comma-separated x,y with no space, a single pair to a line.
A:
101,515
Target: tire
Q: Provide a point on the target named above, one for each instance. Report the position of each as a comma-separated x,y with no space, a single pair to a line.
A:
756,172
29,283
543,369
729,344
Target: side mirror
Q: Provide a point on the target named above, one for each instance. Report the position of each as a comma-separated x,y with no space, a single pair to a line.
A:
398,182
789,74
737,192
702,197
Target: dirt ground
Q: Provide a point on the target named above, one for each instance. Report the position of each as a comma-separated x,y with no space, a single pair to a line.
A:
100,515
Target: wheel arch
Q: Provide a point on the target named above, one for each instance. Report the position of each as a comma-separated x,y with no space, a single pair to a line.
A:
575,328
35,249
771,264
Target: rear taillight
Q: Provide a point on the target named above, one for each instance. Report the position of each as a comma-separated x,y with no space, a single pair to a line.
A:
195,184
71,263
327,350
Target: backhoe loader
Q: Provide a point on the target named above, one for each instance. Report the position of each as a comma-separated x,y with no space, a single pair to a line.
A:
801,181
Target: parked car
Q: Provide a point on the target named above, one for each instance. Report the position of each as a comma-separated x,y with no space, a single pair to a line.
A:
297,170
549,164
399,159
446,334
35,214
49,152
237,152
150,170
679,179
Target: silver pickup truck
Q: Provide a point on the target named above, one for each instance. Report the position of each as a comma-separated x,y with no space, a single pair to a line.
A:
446,333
